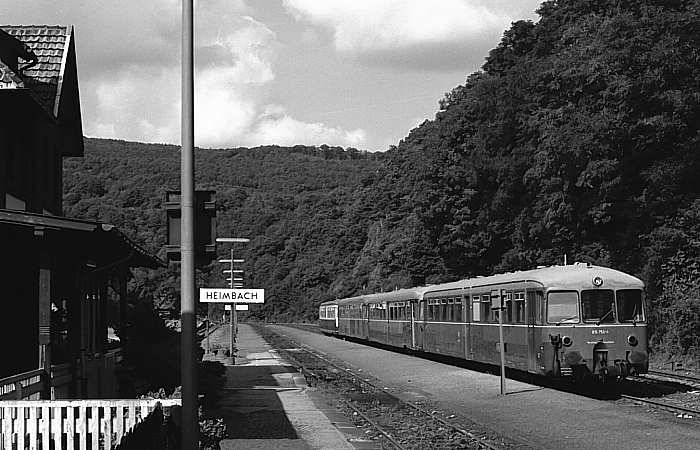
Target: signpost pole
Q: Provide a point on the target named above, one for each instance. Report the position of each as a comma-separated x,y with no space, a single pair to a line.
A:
500,339
233,307
232,329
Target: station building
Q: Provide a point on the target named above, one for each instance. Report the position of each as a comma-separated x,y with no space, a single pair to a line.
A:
62,280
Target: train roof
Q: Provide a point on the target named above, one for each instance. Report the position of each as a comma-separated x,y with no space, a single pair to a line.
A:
573,276
392,296
396,296
570,277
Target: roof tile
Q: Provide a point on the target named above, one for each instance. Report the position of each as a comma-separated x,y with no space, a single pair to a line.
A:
48,42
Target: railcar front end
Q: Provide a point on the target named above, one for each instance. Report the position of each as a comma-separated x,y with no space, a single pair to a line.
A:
597,332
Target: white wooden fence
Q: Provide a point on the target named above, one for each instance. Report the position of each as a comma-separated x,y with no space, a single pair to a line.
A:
71,424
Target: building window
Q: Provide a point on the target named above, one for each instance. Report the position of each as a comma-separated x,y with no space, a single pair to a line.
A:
12,202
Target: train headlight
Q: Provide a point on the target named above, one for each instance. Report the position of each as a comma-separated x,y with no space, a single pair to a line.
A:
567,341
597,281
632,340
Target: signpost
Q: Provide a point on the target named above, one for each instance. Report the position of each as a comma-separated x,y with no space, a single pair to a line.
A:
235,297
228,295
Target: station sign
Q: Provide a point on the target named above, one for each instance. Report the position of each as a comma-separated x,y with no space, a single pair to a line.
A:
221,295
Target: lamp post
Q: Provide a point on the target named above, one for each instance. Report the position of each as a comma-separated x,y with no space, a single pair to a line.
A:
233,326
190,422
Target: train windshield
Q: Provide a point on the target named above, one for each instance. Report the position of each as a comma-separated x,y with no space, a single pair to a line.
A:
598,305
562,307
629,305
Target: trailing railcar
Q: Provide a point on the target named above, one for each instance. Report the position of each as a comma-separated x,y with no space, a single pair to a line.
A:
576,320
328,318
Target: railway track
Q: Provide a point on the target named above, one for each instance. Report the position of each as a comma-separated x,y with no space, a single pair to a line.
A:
653,377
675,376
385,421
692,413
671,392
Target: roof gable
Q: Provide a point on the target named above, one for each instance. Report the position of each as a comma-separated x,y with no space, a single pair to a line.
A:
50,44
52,78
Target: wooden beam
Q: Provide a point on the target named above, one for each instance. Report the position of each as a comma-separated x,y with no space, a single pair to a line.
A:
44,312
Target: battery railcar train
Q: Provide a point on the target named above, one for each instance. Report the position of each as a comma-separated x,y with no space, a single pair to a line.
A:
579,321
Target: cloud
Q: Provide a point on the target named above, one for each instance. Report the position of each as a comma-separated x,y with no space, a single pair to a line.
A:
234,59
275,126
406,32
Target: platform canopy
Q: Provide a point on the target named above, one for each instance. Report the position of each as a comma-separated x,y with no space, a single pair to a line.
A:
100,243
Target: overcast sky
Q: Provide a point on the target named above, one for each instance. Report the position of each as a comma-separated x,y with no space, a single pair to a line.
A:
358,73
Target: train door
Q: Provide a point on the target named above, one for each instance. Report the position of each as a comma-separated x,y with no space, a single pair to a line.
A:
474,317
365,322
533,305
419,325
466,311
413,306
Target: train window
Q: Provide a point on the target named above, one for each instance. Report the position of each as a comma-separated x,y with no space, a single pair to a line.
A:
458,309
598,305
476,309
509,308
562,307
534,300
630,306
519,307
486,313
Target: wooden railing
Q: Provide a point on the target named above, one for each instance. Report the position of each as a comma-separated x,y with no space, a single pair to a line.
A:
99,379
72,424
29,385
22,386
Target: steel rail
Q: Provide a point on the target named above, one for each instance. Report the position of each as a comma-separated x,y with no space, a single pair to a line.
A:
695,380
479,441
462,431
385,433
374,424
662,404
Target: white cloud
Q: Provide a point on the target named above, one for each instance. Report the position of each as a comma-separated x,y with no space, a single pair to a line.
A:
234,58
136,104
275,126
377,29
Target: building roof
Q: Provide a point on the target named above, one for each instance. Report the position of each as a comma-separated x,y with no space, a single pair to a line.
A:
9,79
105,241
48,73
49,43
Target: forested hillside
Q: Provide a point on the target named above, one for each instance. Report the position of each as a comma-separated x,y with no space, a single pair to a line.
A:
578,137
289,201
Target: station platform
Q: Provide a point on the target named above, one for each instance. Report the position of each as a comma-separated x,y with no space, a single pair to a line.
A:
266,403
